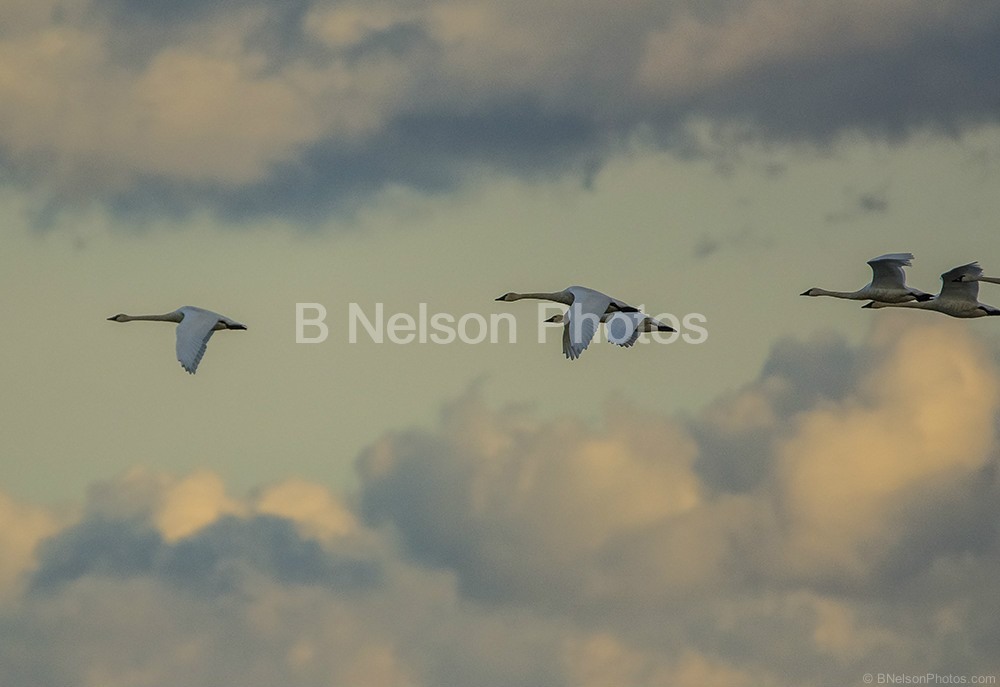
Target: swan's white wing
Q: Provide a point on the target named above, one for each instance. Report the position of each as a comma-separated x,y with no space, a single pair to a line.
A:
582,319
578,331
953,289
584,315
887,270
623,328
193,334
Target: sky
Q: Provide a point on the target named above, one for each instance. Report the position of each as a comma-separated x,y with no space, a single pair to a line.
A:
800,493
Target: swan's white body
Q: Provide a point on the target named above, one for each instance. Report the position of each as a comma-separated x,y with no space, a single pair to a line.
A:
581,320
959,295
888,284
636,323
195,327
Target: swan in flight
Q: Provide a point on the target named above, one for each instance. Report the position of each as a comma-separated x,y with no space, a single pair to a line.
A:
959,295
635,323
888,283
585,309
195,327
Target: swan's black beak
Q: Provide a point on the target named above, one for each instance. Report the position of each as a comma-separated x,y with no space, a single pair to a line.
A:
665,328
870,304
239,326
111,319
805,293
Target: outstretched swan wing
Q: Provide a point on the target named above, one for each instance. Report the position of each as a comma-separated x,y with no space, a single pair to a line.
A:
193,334
887,270
952,288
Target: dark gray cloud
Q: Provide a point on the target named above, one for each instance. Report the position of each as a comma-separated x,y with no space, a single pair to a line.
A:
426,152
214,560
365,97
936,78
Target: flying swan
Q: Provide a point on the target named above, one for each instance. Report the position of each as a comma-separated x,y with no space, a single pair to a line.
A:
959,295
888,283
635,323
585,309
195,327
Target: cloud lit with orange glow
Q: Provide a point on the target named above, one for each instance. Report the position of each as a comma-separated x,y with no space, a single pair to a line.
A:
507,547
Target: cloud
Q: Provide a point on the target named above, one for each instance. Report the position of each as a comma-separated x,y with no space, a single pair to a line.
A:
190,532
22,527
520,510
745,240
218,559
854,477
866,203
845,472
835,516
797,375
310,506
310,107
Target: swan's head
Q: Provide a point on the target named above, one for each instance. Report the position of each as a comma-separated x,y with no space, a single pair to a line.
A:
120,317
811,292
509,296
235,325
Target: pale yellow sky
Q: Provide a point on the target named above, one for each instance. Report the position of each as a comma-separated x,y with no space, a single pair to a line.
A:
262,407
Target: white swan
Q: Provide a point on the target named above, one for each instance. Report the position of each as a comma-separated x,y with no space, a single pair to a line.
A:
888,283
194,329
959,295
585,309
635,323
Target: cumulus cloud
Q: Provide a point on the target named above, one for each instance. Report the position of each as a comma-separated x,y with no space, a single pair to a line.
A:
855,477
251,107
22,527
859,534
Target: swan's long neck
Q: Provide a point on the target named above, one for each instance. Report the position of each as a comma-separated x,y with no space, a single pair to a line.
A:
559,297
919,305
166,317
835,294
991,280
